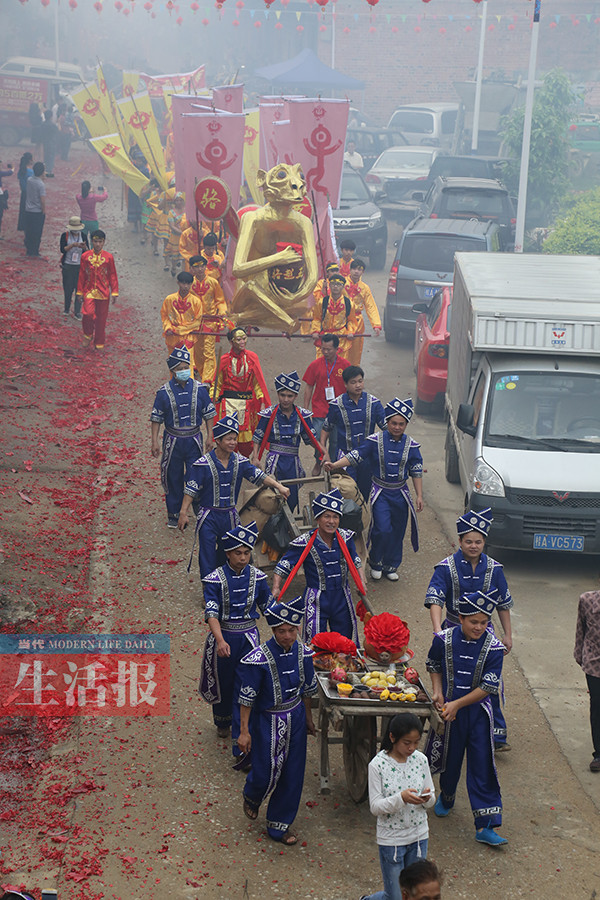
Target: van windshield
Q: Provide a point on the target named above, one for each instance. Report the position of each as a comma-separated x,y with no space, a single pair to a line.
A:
435,252
556,409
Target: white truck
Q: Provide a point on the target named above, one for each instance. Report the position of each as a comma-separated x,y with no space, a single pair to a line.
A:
523,397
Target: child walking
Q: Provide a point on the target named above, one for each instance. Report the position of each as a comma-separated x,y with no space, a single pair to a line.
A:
400,790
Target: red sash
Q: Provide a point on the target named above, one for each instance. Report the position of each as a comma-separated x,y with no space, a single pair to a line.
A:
304,424
351,566
303,556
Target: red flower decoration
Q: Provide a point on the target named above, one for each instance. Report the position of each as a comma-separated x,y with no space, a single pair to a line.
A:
387,633
334,642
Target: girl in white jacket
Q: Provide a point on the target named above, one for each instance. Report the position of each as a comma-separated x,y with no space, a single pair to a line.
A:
400,790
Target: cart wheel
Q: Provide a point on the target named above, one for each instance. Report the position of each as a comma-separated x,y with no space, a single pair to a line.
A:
359,748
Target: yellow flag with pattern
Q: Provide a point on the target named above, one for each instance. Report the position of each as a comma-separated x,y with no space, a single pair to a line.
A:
112,151
141,129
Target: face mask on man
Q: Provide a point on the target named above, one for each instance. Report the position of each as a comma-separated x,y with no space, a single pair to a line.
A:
183,374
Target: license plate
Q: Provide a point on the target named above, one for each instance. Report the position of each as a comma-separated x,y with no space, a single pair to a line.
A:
430,291
571,542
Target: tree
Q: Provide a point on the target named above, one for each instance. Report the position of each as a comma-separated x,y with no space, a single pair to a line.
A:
549,150
578,231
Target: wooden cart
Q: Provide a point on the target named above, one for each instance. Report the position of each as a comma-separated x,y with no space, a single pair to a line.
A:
358,719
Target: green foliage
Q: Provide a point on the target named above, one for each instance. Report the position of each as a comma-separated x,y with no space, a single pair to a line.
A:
549,149
578,231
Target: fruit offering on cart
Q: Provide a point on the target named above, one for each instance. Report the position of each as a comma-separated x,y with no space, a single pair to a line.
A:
335,654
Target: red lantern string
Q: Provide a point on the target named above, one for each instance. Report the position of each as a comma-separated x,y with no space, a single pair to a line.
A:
73,4
235,22
147,6
98,6
300,28
258,24
194,7
43,2
346,30
278,26
322,2
118,5
375,2
268,3
205,22
179,21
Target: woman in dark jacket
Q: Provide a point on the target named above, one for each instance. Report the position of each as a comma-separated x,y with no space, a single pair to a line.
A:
24,172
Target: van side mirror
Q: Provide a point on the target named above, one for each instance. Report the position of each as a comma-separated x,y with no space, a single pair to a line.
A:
464,419
420,307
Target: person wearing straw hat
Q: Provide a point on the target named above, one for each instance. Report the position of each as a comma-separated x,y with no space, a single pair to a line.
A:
282,427
468,570
465,664
181,405
277,682
73,242
235,594
393,457
328,556
215,484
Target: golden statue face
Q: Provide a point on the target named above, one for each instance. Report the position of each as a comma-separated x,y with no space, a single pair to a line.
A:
283,182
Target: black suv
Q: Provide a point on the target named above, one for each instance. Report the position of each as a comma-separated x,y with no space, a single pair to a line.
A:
358,218
485,199
424,262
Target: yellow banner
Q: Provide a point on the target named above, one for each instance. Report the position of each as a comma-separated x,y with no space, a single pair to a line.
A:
111,149
89,103
104,97
131,83
251,155
141,129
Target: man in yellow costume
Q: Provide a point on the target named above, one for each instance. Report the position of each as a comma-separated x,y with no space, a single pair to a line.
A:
213,304
181,315
362,301
334,314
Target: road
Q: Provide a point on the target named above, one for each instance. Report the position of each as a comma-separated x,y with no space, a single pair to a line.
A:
132,808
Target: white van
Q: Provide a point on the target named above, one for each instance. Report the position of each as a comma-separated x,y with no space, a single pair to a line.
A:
25,80
30,67
431,124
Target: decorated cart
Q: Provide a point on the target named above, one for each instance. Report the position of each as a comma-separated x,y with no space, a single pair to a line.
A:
358,694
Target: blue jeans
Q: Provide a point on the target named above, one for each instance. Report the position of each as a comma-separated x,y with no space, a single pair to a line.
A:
392,860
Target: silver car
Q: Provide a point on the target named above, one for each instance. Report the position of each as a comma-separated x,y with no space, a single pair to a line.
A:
400,170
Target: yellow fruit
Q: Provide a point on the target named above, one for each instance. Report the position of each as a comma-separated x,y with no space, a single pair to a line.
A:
382,683
344,688
365,679
384,695
401,696
393,696
376,674
411,698
391,679
372,682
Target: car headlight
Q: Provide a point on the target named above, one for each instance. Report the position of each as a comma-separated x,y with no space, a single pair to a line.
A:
375,219
486,480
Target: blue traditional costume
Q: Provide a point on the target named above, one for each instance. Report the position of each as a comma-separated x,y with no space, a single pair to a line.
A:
464,666
327,596
454,576
274,683
181,406
283,434
353,422
234,600
391,463
215,489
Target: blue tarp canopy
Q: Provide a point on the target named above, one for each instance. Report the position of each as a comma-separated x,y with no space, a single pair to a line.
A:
307,70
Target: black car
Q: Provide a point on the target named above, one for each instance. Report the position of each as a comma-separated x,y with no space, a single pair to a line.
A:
465,167
360,219
482,199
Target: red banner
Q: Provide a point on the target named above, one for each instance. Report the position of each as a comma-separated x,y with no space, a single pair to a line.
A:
230,98
269,114
213,144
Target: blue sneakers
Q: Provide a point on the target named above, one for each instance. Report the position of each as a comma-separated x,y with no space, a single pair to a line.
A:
439,808
489,836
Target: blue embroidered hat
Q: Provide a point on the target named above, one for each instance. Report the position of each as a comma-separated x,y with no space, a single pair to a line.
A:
225,425
291,613
470,604
398,407
333,501
240,536
289,382
475,521
178,355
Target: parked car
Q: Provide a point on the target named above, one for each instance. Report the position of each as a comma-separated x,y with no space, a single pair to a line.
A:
426,123
424,263
432,339
400,170
371,142
466,167
485,199
359,218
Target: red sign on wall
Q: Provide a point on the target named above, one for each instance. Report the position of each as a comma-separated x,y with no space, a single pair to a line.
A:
16,94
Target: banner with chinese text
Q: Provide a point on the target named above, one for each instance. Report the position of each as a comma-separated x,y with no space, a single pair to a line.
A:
213,144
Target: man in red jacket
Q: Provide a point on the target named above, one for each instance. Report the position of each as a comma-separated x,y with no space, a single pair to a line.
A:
97,282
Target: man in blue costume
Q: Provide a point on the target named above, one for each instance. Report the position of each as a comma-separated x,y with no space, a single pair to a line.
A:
282,428
277,683
353,416
329,556
234,594
465,664
468,570
215,484
392,457
181,405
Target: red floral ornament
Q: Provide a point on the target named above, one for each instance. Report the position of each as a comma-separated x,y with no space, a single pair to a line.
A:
333,642
387,633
